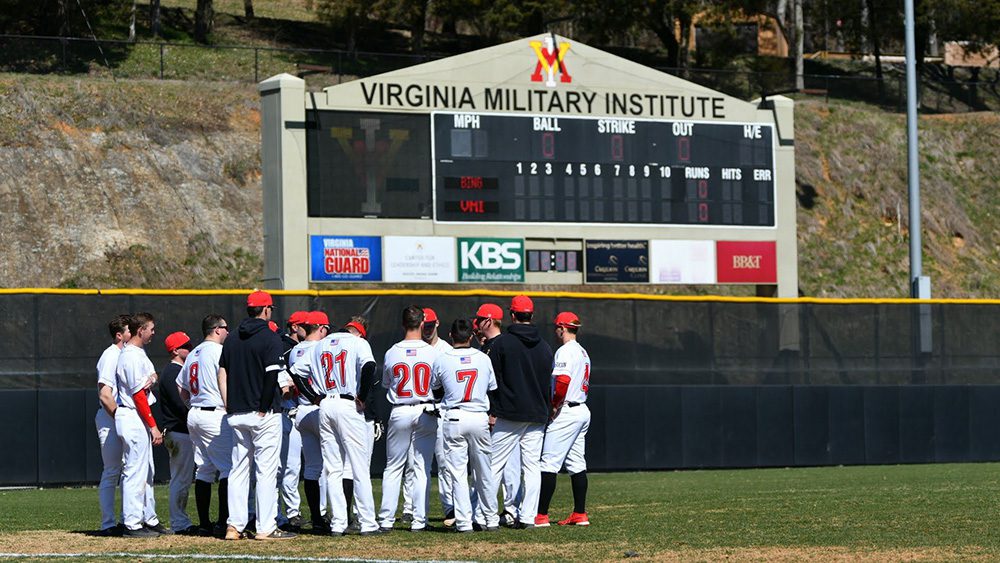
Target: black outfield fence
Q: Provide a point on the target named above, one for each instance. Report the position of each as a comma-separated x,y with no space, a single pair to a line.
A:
677,383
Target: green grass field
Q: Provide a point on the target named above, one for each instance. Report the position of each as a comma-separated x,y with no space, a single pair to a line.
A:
894,513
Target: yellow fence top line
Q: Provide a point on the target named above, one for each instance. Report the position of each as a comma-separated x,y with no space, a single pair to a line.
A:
499,293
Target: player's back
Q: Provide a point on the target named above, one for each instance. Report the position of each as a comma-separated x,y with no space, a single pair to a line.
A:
200,375
466,375
407,372
336,362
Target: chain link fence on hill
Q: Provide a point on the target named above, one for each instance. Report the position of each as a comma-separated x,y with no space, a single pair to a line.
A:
182,61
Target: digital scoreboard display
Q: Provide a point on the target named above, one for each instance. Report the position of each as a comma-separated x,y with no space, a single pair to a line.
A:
548,169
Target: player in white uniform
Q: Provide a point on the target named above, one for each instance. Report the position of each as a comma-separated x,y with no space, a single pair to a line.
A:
289,515
111,444
210,433
314,326
343,366
406,376
135,425
429,332
567,432
466,375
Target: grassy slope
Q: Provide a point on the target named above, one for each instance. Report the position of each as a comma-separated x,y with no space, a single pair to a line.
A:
936,512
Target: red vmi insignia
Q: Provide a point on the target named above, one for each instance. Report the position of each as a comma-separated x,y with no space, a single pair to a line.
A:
550,59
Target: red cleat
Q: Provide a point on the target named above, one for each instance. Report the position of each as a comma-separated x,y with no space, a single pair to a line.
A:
575,519
542,521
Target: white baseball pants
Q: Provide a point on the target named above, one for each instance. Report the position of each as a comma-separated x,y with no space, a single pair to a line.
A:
345,439
565,440
409,426
467,439
111,455
513,491
307,423
444,482
291,466
257,443
509,435
137,472
212,439
181,475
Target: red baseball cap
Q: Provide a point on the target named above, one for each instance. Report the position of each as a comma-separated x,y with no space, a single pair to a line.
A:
521,304
490,311
298,318
429,315
316,318
273,326
176,340
259,299
567,319
358,327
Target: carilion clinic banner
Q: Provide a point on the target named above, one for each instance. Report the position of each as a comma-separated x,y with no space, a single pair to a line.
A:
617,261
337,258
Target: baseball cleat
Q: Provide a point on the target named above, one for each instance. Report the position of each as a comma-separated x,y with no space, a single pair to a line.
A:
159,529
576,519
294,524
407,518
507,519
277,534
232,534
449,519
523,526
542,521
111,532
191,530
141,533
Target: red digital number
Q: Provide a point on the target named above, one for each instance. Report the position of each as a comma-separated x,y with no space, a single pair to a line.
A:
193,378
684,149
703,189
548,144
470,375
703,213
617,147
421,379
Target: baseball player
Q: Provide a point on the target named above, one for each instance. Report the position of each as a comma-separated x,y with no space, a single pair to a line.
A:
210,433
520,405
466,375
173,415
289,516
487,327
567,432
343,366
111,444
248,381
406,376
429,333
135,425
305,414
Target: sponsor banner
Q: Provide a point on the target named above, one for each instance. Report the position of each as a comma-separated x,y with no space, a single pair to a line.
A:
337,258
617,261
747,262
419,259
491,260
682,261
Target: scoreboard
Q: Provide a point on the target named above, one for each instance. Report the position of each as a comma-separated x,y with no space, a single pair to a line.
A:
518,168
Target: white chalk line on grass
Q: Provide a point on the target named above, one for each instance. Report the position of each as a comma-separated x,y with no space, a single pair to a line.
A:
229,557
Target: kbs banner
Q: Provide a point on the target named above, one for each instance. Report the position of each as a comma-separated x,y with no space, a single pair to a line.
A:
617,261
682,261
420,259
336,258
747,262
491,260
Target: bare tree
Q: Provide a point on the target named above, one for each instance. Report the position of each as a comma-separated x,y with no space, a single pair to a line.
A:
204,20
154,17
799,34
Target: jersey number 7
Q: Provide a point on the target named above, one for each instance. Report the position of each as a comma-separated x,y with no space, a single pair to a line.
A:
326,361
469,376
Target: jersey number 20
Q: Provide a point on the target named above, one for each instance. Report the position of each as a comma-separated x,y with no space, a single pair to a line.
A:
421,379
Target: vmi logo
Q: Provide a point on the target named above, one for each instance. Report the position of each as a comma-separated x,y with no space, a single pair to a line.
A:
490,260
746,262
551,61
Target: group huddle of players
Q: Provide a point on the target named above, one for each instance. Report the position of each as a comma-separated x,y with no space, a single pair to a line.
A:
256,411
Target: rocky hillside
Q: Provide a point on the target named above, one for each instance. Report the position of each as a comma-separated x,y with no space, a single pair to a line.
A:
157,184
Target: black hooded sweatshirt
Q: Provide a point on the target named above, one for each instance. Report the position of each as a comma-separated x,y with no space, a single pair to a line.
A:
523,365
251,359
